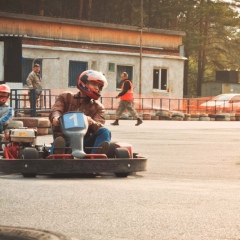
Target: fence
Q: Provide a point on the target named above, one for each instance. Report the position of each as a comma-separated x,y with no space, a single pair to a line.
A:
23,101
148,104
31,101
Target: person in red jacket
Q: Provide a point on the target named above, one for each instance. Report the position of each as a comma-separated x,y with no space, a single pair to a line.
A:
126,100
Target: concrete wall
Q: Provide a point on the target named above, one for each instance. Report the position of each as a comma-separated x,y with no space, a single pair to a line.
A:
216,88
76,40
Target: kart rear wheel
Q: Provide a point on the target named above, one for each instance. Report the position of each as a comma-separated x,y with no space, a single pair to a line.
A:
122,153
29,175
29,153
121,174
112,150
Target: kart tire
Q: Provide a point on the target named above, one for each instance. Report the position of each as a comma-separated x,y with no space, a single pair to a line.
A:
22,233
29,153
122,153
29,175
121,174
112,150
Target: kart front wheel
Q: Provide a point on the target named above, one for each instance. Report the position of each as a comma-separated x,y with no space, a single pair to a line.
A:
121,174
29,153
29,175
122,153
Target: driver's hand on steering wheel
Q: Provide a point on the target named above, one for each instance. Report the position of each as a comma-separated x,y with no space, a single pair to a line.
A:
55,121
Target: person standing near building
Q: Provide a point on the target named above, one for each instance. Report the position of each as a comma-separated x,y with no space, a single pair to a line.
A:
126,100
34,82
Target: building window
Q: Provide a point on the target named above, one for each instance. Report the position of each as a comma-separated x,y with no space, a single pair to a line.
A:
111,67
160,79
121,69
27,67
75,69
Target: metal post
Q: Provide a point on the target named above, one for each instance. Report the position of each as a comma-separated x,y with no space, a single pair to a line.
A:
50,99
33,102
16,100
188,106
140,63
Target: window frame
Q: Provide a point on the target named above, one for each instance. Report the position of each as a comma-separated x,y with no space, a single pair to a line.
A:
111,67
162,81
75,68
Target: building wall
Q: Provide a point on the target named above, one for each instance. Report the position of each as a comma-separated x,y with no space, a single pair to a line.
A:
216,88
46,37
55,71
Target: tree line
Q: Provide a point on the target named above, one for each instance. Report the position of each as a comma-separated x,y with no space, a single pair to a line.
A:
212,40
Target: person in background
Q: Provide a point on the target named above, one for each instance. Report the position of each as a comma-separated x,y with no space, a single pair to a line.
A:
126,100
34,82
90,83
6,112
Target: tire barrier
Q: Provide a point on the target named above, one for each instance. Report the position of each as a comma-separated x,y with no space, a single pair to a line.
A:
222,117
42,124
179,116
204,117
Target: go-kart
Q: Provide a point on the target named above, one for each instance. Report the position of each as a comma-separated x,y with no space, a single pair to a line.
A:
22,155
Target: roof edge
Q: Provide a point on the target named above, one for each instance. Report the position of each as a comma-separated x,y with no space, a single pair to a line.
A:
89,23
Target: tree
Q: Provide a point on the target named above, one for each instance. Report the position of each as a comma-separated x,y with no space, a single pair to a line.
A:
208,25
211,26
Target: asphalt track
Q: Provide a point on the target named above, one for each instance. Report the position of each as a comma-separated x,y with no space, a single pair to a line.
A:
191,189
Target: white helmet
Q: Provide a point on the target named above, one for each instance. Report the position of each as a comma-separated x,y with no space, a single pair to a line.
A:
94,76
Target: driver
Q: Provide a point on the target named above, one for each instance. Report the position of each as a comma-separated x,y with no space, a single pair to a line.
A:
6,112
90,83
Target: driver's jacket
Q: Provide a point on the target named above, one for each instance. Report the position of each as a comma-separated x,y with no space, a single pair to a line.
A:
67,102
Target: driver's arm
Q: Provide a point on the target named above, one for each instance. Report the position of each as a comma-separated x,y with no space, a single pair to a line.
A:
55,121
96,118
57,110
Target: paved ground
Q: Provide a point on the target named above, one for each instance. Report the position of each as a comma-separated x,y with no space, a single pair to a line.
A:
190,191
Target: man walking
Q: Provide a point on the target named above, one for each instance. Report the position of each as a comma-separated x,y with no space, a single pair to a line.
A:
126,100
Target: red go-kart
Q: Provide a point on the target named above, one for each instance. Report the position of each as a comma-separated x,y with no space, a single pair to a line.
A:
22,155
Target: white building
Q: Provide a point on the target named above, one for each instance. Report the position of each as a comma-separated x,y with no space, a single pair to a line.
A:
64,48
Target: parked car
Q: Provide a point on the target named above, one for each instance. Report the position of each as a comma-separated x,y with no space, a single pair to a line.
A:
222,103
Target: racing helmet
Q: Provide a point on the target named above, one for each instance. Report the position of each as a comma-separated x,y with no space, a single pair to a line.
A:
4,89
94,76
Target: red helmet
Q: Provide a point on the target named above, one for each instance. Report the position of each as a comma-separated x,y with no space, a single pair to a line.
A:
94,76
4,89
